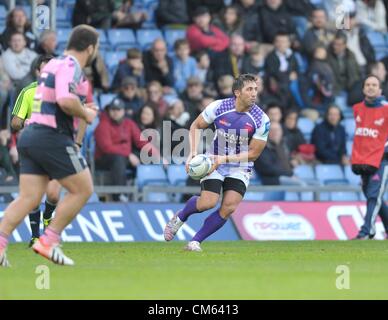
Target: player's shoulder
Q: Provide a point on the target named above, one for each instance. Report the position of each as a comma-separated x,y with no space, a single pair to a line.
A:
258,115
225,105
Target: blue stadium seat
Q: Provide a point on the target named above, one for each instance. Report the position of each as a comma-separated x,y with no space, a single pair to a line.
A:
255,179
361,196
353,179
104,42
152,174
344,196
305,172
254,196
113,58
330,174
350,127
171,35
3,13
94,198
121,39
176,174
157,197
307,196
292,196
349,147
27,10
63,18
106,99
63,35
145,37
379,43
306,126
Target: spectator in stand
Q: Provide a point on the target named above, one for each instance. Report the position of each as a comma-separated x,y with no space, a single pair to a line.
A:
319,33
251,31
273,165
230,61
130,67
5,88
203,35
158,66
116,136
204,72
274,112
17,58
129,95
178,118
281,69
372,14
5,160
17,22
177,114
317,86
148,119
255,62
171,12
192,97
214,6
329,138
184,65
229,20
344,65
33,74
125,17
47,43
376,69
97,74
275,19
359,44
97,13
225,86
293,137
155,95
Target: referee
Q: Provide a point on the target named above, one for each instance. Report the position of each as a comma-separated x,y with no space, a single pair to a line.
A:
21,112
370,154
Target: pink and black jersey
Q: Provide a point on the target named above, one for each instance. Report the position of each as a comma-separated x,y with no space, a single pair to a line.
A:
61,78
234,130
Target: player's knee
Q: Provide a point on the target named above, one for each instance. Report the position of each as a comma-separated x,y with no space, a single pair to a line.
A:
52,196
227,209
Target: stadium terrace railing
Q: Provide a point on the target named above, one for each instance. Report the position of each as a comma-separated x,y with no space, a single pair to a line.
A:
138,195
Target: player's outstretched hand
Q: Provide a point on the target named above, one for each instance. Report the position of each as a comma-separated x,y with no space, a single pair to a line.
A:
216,161
91,112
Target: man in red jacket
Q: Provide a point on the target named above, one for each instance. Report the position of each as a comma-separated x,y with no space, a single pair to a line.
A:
115,137
203,35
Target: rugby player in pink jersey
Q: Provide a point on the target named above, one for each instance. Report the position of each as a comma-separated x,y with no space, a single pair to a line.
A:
46,146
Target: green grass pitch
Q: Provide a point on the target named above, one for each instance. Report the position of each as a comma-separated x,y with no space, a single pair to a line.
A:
225,270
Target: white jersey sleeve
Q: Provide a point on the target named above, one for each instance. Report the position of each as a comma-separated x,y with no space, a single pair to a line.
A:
209,114
261,133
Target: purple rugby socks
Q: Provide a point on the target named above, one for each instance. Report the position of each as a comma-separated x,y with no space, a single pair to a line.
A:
189,209
212,223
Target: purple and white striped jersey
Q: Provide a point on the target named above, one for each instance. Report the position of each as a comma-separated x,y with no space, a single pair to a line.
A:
234,131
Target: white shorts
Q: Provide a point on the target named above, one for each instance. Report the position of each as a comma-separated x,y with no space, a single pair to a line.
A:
240,175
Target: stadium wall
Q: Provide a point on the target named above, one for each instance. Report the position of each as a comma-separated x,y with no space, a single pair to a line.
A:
117,222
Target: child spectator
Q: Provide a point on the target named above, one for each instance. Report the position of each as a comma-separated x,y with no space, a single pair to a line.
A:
184,65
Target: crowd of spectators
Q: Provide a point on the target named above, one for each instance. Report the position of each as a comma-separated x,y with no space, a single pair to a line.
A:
310,67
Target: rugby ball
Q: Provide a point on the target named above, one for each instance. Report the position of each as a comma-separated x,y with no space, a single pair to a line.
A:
199,166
